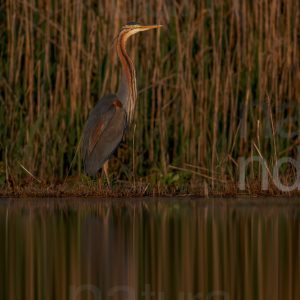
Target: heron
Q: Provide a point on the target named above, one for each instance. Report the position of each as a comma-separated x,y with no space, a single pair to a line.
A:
112,115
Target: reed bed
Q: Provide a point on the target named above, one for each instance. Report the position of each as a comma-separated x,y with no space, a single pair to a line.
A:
219,82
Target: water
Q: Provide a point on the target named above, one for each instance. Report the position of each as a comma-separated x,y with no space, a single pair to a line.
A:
149,249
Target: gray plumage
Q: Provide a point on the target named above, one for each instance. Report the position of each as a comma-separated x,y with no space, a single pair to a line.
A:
110,121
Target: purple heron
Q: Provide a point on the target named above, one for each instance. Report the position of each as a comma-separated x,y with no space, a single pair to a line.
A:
107,121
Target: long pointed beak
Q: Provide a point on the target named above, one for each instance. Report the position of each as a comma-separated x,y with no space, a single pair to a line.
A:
148,27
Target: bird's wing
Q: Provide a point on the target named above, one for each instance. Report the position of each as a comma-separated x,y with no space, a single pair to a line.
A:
103,132
96,133
104,122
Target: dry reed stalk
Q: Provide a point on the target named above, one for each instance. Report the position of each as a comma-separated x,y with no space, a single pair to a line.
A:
226,66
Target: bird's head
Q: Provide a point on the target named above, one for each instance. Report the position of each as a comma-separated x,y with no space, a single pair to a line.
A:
133,28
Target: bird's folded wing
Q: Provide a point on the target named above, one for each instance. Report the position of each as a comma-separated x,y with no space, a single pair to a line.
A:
95,135
103,123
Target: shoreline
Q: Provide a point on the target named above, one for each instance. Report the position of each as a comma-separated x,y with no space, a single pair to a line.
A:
140,190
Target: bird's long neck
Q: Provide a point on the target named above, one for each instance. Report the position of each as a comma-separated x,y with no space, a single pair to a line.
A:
127,92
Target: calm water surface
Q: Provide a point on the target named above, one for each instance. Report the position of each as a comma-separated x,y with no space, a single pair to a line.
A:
149,249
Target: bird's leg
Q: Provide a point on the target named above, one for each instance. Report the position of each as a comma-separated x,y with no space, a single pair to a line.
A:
100,182
105,169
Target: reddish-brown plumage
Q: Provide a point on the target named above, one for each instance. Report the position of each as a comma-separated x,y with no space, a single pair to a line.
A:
95,136
117,103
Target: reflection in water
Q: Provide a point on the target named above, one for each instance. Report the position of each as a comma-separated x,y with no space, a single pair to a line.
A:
149,249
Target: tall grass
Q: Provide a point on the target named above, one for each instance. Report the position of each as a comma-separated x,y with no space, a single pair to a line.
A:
222,80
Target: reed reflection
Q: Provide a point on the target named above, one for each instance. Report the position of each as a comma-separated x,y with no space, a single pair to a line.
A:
149,249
